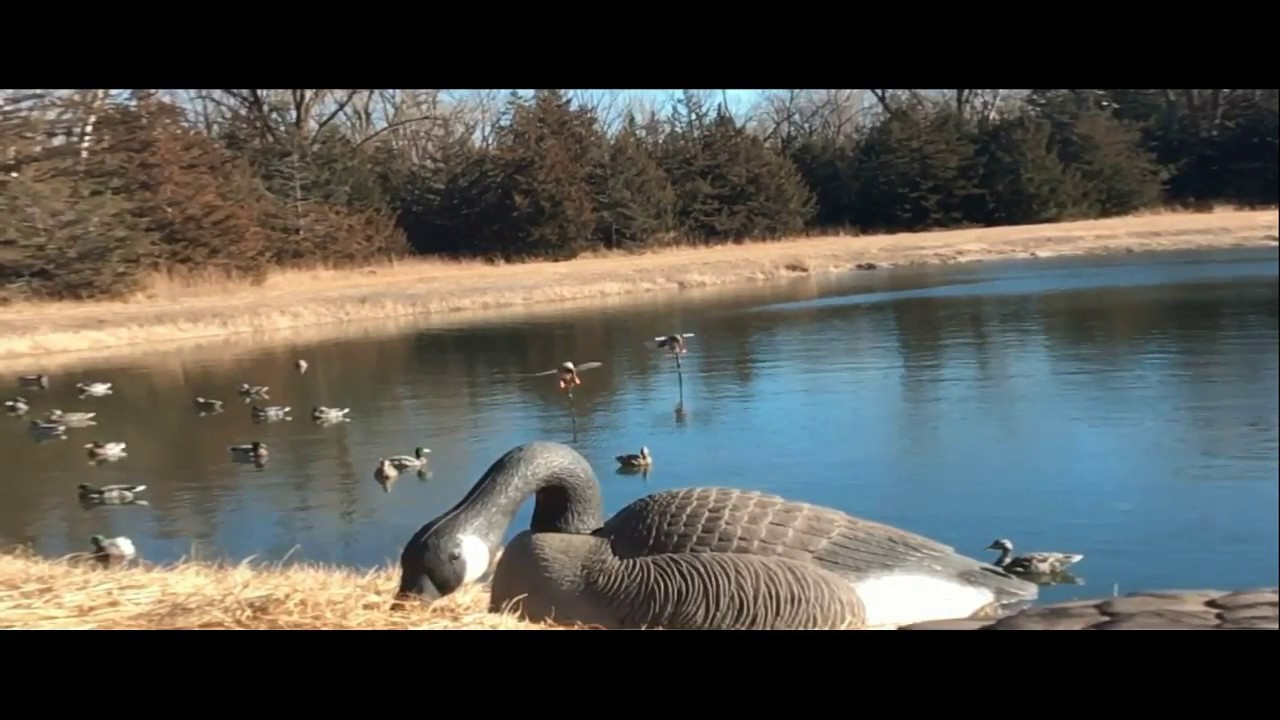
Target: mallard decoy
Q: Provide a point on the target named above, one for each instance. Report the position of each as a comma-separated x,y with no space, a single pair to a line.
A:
644,459
106,450
208,405
34,381
254,449
569,372
111,494
1035,563
301,365
17,406
113,551
328,414
253,391
56,428
385,473
416,460
271,412
674,344
692,558
94,388
56,415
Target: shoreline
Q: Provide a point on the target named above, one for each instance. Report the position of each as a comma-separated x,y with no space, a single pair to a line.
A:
176,313
73,593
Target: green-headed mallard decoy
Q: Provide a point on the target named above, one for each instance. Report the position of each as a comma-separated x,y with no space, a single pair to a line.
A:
416,460
56,428
254,449
39,380
1035,563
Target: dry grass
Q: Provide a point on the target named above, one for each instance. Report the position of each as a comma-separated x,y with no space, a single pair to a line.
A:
73,593
192,307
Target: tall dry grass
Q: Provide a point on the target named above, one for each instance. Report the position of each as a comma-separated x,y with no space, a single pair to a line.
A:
180,308
74,592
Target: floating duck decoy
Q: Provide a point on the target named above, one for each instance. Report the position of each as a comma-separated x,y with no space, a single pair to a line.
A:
301,365
111,494
113,551
416,460
569,373
56,415
254,449
208,405
94,389
55,428
1035,563
644,459
385,473
673,344
106,451
696,558
272,413
253,391
34,381
320,413
17,406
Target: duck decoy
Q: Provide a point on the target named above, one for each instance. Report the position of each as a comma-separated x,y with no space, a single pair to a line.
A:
697,558
416,460
96,389
271,413
208,405
39,380
58,416
254,449
113,551
320,413
632,460
1035,563
385,473
55,428
106,451
253,391
18,406
569,372
301,365
111,494
674,343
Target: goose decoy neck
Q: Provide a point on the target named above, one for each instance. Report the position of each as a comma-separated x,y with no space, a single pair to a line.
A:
458,547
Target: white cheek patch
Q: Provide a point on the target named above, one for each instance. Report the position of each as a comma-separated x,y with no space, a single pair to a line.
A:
475,558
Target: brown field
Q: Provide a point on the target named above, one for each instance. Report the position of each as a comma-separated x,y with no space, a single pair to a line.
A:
70,593
192,308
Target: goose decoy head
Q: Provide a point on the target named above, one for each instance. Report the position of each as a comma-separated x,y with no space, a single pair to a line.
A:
1001,544
437,562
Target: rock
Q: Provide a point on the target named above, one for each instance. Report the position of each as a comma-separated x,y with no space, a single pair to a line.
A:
1143,603
1141,623
1245,599
1204,617
1269,613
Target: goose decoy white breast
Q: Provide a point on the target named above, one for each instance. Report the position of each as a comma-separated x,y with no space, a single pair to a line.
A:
1034,563
697,558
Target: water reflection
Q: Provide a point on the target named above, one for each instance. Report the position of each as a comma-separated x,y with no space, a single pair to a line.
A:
1130,420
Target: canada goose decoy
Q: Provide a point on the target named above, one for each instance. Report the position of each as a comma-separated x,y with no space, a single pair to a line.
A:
416,460
253,391
111,494
208,405
644,459
17,406
1035,563
113,551
301,365
254,449
271,412
674,344
698,558
321,413
56,415
34,381
569,372
94,388
106,450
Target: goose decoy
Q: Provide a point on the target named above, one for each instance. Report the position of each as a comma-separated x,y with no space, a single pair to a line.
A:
111,494
569,372
644,459
107,451
697,558
1035,563
253,391
254,449
320,413
271,412
94,388
113,551
17,406
34,381
208,405
416,460
301,365
674,344
58,416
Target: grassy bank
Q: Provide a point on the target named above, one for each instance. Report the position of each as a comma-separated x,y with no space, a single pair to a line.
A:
72,593
192,308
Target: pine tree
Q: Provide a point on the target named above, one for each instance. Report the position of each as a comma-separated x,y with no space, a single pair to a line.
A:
635,199
1022,178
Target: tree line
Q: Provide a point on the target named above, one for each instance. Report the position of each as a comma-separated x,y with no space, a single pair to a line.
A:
103,188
